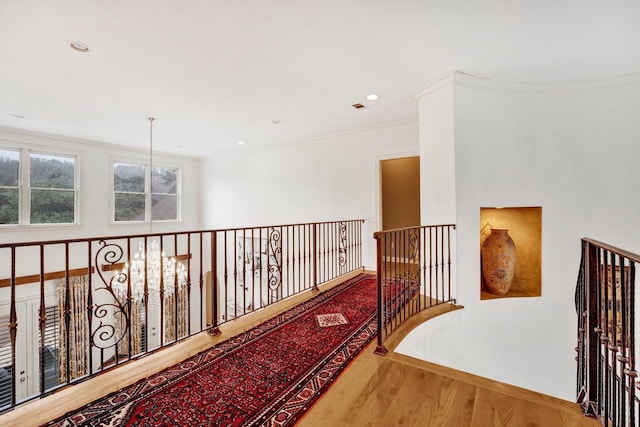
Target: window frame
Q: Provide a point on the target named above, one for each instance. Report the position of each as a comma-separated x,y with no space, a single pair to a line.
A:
17,186
148,200
25,188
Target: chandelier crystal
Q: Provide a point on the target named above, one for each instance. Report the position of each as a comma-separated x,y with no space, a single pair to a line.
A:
160,270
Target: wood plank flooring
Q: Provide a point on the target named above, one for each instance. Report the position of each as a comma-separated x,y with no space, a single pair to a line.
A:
393,390
397,390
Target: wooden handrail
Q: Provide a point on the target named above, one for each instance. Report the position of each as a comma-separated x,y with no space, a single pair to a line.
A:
35,278
378,234
626,254
137,236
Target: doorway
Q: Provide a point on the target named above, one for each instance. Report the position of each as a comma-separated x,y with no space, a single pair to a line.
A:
400,187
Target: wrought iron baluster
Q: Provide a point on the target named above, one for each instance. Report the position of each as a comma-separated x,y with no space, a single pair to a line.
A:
13,325
214,282
201,278
42,322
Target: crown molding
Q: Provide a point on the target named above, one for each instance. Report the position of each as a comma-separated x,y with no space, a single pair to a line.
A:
488,83
352,131
435,86
16,135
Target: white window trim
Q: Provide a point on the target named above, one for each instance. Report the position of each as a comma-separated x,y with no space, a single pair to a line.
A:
24,185
147,190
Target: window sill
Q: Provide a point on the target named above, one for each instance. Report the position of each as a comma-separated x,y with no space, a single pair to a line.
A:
40,227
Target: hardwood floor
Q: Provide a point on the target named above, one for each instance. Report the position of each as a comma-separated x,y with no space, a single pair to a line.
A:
397,390
392,390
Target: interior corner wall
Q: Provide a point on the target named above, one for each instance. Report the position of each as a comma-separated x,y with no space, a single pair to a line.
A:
574,152
437,158
327,179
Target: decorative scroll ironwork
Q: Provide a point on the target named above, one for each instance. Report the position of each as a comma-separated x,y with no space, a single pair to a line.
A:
342,248
275,258
112,311
413,243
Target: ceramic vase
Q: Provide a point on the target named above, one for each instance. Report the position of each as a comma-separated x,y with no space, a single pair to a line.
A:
498,261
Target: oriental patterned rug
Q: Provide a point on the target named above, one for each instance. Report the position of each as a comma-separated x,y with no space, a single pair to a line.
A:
270,375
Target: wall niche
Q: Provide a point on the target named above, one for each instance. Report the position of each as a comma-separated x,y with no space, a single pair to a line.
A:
524,225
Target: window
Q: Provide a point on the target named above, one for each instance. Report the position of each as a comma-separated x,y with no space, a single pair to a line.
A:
9,189
49,196
135,201
53,195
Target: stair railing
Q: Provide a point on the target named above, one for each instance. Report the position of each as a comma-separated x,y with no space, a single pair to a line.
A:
414,268
607,383
72,309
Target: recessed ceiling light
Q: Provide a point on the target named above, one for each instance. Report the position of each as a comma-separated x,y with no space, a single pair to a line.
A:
275,122
240,142
372,97
79,46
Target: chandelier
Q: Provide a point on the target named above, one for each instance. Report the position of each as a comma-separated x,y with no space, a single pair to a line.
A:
161,272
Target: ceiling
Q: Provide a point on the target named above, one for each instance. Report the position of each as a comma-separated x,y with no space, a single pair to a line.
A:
216,72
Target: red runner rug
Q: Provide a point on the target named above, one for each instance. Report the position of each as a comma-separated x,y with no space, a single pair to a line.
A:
270,375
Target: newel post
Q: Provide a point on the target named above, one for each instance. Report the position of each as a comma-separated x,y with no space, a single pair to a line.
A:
380,348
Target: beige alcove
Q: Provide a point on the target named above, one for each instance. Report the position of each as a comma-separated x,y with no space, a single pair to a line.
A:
525,228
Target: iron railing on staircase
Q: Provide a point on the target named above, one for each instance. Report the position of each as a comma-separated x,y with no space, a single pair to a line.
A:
414,267
607,377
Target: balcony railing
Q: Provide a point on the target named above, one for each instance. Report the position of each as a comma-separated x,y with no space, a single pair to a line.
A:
71,309
414,267
607,378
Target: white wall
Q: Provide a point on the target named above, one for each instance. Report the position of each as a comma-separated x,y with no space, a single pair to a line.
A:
572,150
95,180
437,156
332,178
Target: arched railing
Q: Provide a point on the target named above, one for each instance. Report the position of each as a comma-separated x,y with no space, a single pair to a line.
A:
414,267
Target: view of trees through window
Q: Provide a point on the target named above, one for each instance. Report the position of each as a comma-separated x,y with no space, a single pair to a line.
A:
9,190
44,185
130,193
51,188
52,180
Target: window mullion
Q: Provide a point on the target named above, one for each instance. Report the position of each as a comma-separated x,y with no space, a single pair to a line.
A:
25,187
148,197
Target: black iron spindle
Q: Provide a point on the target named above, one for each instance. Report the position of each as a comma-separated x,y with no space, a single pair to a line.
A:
42,321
